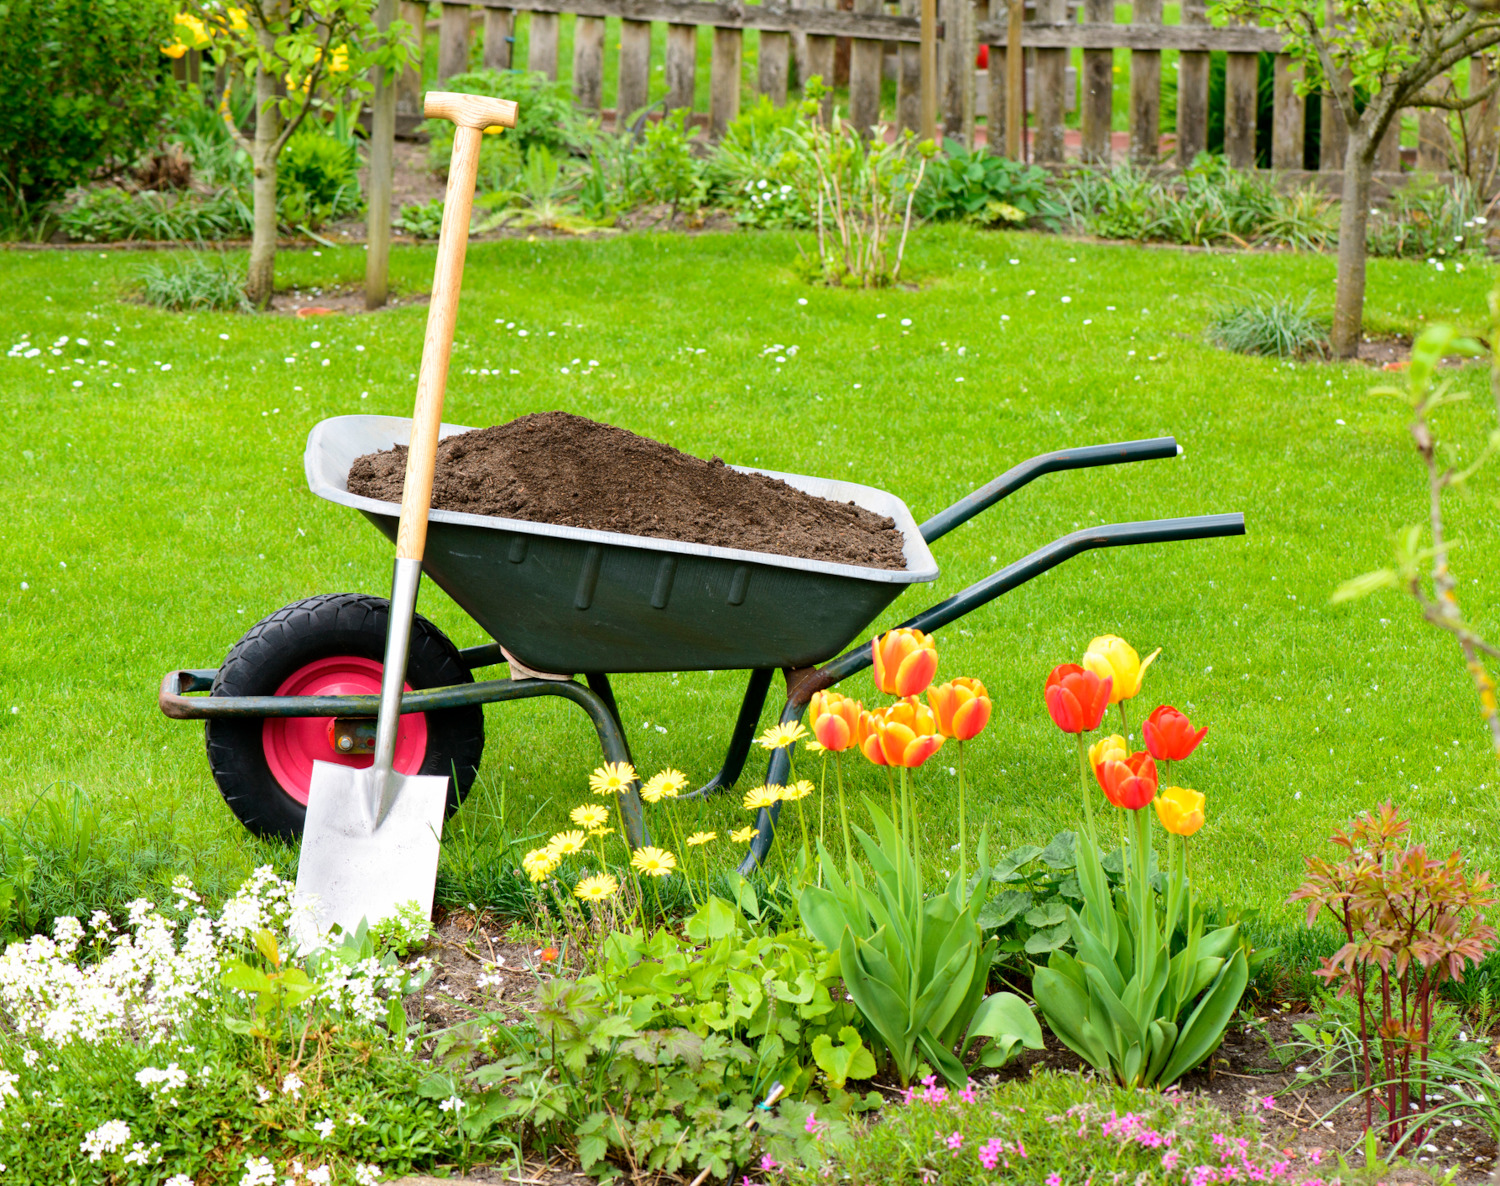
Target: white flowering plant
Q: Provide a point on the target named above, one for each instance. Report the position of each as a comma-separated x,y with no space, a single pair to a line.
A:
142,1053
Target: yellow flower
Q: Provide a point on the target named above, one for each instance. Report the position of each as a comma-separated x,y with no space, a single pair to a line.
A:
601,831
782,735
1108,749
566,843
237,20
744,835
815,747
1180,810
612,778
175,50
539,863
338,61
597,888
653,862
1110,656
762,797
590,815
800,789
698,838
666,785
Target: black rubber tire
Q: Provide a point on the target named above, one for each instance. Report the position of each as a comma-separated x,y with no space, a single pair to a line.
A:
318,628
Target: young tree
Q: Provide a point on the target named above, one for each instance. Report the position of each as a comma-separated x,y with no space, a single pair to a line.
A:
1375,57
298,54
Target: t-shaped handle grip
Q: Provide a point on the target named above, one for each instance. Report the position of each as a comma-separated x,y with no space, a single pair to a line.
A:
469,111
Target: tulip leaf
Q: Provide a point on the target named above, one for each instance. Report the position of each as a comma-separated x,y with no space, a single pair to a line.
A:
1204,1030
1005,1016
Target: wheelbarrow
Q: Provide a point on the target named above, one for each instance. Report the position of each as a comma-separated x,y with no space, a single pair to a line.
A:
303,684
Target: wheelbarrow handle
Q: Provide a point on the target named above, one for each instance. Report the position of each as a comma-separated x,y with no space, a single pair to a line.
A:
1112,535
1045,463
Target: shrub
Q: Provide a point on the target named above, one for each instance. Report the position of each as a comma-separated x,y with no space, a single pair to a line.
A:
981,187
196,283
424,221
1259,323
83,86
547,117
317,179
1409,925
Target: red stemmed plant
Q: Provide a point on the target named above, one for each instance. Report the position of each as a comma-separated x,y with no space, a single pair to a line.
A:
1410,923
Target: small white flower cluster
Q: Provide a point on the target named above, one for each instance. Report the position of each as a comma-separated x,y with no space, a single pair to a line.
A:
258,1172
8,1081
109,1137
173,1078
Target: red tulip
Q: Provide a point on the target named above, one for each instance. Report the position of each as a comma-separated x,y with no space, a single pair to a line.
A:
1169,735
962,708
1077,698
1130,784
835,720
982,58
905,661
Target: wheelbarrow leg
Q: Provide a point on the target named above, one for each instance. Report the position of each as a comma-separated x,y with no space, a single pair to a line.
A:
599,685
778,771
742,737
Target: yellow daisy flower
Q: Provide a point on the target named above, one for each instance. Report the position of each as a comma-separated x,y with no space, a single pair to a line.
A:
698,838
762,797
590,815
653,862
744,835
601,831
780,736
539,863
800,789
566,844
612,778
597,888
667,785
815,747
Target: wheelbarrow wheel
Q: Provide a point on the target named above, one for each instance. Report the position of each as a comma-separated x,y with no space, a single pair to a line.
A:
331,645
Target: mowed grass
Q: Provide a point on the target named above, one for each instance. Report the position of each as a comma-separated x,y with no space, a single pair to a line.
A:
156,513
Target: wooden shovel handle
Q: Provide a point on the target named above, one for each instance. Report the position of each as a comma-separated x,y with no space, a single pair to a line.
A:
471,114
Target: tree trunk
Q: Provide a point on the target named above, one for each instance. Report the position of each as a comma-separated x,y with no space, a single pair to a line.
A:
1354,216
261,279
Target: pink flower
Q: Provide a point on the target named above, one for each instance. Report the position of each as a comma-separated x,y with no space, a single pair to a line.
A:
814,1126
989,1152
1169,1160
1053,1180
1315,1156
955,1140
768,1164
1268,1102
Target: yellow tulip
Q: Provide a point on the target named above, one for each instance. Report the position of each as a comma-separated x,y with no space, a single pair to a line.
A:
1110,655
1180,810
1108,749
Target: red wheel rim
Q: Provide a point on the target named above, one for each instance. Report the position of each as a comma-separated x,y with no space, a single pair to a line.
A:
293,744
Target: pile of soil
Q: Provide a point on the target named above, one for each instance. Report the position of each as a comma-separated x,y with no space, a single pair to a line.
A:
553,467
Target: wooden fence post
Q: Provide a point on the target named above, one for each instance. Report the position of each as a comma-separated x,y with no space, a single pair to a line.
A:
866,64
1145,89
634,85
1047,99
453,41
1434,141
1192,91
682,65
1241,97
956,66
724,80
772,59
994,106
409,85
1289,116
1015,81
499,36
1099,87
588,61
382,174
541,48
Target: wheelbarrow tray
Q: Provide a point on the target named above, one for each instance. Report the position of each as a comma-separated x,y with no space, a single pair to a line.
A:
567,599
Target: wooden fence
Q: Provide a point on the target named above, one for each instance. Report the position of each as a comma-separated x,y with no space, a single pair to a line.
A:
884,37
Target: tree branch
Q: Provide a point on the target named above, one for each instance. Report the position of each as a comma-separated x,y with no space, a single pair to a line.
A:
311,86
1453,102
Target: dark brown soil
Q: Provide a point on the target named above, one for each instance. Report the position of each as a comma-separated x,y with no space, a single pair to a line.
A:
553,467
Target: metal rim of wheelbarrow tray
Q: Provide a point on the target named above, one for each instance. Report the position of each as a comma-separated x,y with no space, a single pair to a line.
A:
597,698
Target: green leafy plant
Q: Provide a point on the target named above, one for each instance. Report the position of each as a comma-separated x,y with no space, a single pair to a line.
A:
1426,219
545,196
83,88
546,117
424,221
669,170
917,966
983,188
317,179
1409,924
1264,323
199,282
113,215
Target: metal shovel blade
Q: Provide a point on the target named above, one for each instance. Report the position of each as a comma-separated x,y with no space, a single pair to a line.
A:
354,867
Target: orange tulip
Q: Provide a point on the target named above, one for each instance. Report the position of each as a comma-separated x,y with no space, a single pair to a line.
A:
905,661
1130,784
904,734
868,740
835,720
1076,698
962,708
1169,735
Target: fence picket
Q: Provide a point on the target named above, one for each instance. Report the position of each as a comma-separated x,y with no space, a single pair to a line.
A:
1288,116
724,80
1145,89
588,62
1192,91
1098,87
866,64
820,59
409,85
771,66
682,65
1241,95
453,41
909,75
541,49
1048,102
635,70
994,102
499,35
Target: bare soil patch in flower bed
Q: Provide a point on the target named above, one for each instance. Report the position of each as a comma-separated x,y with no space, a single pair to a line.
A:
554,467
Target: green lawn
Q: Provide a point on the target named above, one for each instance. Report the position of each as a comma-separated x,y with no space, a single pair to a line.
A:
153,514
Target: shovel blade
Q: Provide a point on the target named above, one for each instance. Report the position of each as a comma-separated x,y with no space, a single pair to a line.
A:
352,868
